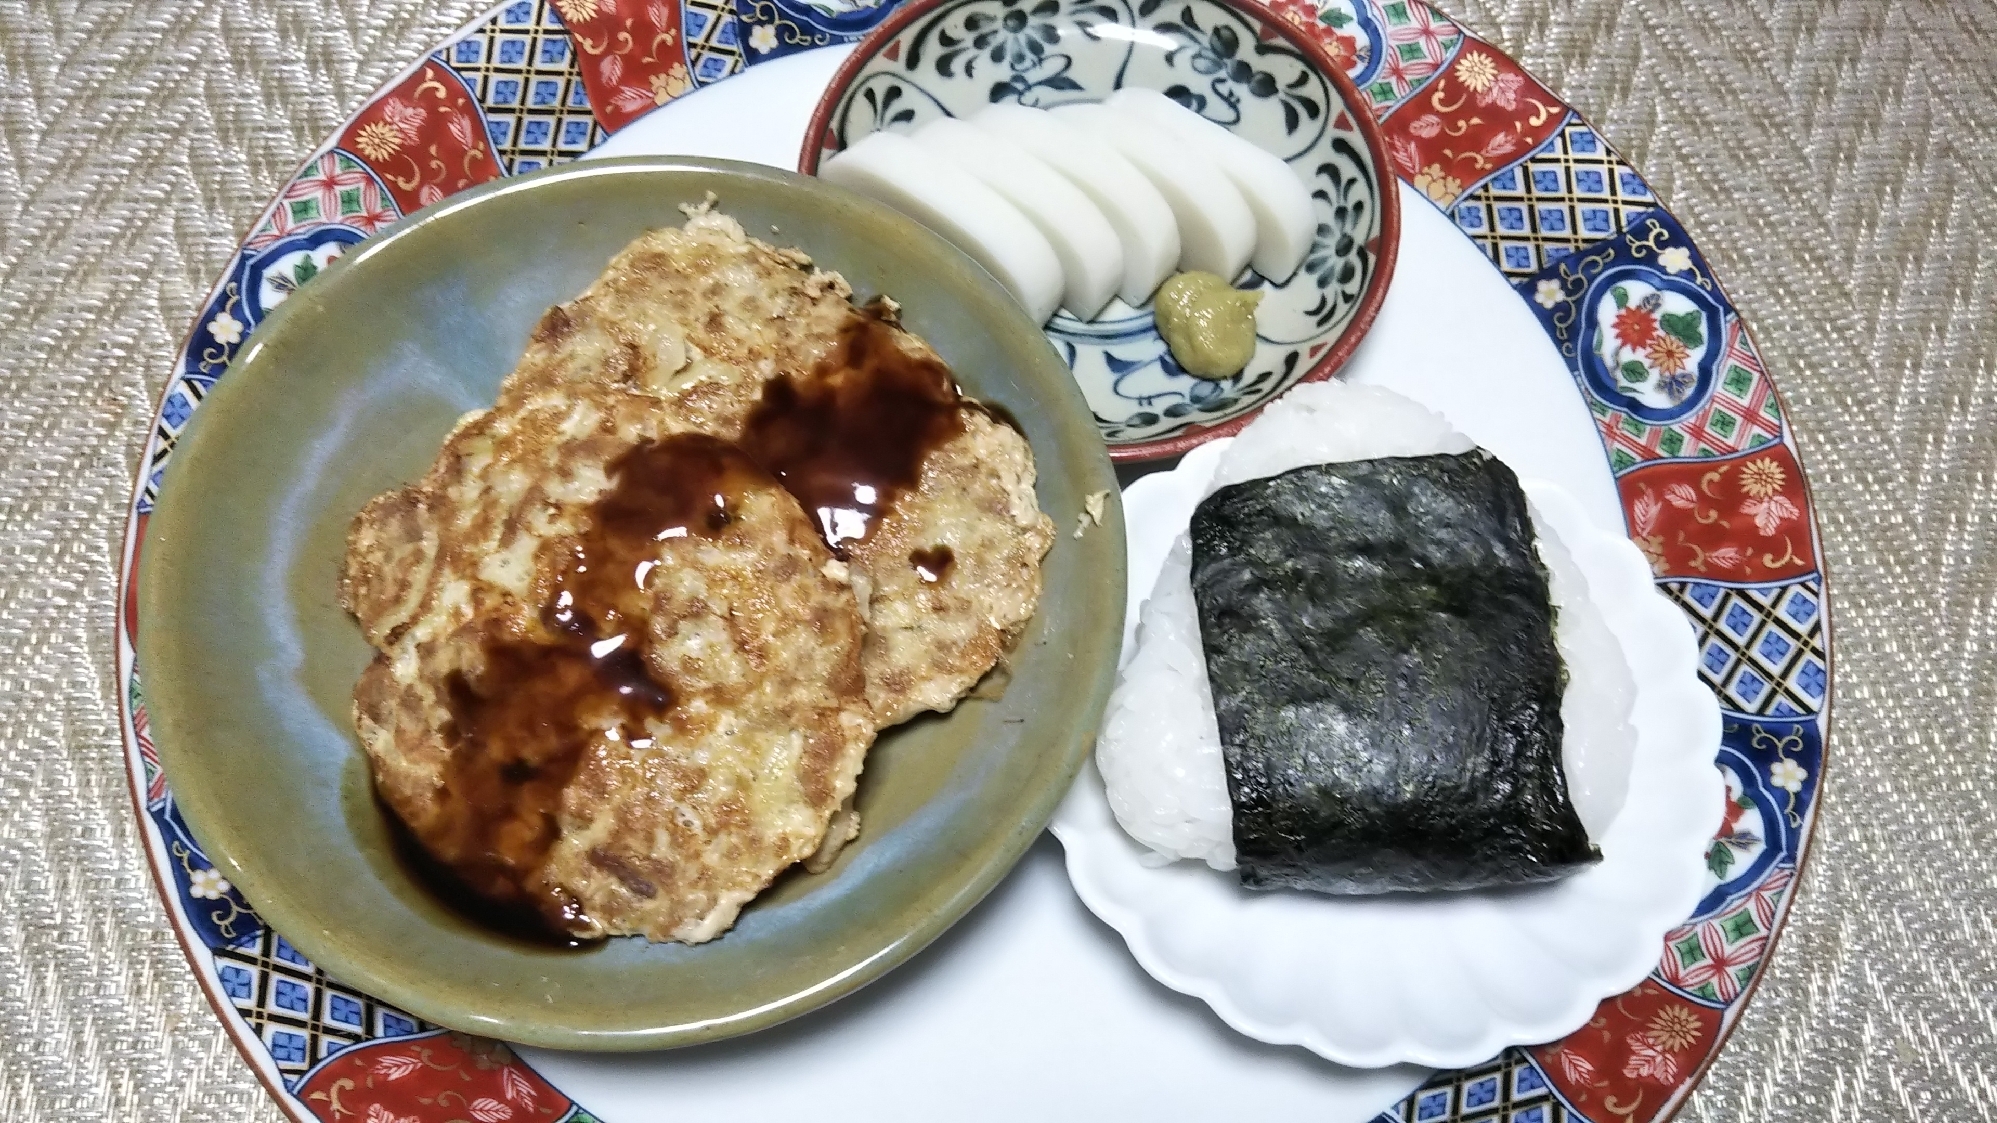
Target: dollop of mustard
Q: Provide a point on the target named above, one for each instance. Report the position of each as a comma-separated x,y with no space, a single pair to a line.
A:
1208,323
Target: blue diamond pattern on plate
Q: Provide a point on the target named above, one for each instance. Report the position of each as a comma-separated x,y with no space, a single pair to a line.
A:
1760,648
1510,1089
302,1016
523,69
1570,192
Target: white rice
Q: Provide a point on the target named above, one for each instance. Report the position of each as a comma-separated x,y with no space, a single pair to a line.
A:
1160,754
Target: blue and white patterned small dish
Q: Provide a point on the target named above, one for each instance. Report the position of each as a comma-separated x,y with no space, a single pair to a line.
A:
1234,62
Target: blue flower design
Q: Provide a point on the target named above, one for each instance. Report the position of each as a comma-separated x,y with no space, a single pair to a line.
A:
1219,53
1017,36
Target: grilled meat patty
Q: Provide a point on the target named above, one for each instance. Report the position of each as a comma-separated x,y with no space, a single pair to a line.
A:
643,752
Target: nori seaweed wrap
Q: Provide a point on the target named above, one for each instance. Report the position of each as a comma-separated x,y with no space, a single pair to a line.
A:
1379,638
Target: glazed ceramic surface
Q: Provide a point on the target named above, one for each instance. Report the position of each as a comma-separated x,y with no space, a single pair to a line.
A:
1515,208
1442,980
1236,64
347,391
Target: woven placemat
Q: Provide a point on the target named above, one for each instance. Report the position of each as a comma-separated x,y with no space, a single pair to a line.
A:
1835,160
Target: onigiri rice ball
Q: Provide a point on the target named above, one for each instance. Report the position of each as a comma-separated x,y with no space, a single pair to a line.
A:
1160,751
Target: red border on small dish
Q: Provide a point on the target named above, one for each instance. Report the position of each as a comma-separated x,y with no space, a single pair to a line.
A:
1386,246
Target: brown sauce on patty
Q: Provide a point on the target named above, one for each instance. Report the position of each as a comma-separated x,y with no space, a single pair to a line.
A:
853,434
521,724
845,440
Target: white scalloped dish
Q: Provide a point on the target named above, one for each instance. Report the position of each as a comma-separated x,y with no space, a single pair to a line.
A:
1438,979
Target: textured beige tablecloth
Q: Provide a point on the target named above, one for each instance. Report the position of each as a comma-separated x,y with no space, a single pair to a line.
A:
1835,159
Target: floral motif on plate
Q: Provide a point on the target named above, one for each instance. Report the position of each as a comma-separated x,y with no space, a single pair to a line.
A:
1742,413
1740,519
631,53
1714,960
434,1076
784,27
1476,117
333,187
424,137
1418,41
1348,30
1555,220
1634,1056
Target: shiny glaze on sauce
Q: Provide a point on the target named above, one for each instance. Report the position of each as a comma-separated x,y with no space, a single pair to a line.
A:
520,726
932,564
845,440
513,918
850,437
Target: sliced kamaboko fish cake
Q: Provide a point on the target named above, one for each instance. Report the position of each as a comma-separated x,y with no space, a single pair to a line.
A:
1135,209
1087,245
1275,195
910,178
1216,228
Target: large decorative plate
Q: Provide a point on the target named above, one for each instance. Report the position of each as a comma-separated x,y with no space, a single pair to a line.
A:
1582,324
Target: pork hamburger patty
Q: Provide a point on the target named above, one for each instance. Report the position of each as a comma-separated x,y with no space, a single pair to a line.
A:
643,753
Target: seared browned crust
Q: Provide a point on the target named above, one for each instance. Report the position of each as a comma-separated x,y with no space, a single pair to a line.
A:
679,335
627,362
930,642
765,740
766,736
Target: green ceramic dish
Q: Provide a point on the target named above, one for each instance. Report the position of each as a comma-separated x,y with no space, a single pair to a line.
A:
347,390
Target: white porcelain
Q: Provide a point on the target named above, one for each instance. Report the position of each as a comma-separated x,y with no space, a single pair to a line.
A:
1442,980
